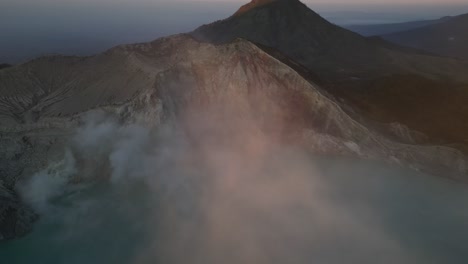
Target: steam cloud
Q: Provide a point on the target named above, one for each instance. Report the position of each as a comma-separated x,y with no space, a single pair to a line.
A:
220,190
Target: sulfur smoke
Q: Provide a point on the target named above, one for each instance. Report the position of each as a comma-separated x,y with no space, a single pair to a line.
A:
220,186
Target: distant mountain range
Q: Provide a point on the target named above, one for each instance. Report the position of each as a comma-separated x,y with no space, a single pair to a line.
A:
368,30
448,38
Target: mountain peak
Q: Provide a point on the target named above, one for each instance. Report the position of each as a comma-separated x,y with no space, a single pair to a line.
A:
258,3
279,24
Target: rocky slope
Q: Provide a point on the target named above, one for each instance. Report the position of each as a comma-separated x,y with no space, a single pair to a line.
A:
358,69
228,94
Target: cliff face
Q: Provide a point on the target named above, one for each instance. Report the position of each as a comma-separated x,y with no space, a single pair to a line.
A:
231,94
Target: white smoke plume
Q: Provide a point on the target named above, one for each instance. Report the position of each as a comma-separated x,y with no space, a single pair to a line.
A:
220,190
48,184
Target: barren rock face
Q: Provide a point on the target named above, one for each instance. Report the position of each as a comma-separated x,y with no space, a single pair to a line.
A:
234,94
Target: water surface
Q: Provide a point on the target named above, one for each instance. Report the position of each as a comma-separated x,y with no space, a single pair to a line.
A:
397,214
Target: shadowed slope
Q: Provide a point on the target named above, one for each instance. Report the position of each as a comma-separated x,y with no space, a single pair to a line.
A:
4,65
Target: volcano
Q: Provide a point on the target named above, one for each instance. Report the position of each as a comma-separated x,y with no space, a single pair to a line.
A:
382,81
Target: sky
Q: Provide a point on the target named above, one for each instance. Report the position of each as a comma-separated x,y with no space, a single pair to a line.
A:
358,2
30,28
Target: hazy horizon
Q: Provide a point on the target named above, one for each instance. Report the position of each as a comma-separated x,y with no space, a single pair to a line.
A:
29,29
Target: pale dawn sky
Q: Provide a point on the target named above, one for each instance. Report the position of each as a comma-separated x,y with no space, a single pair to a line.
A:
30,28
